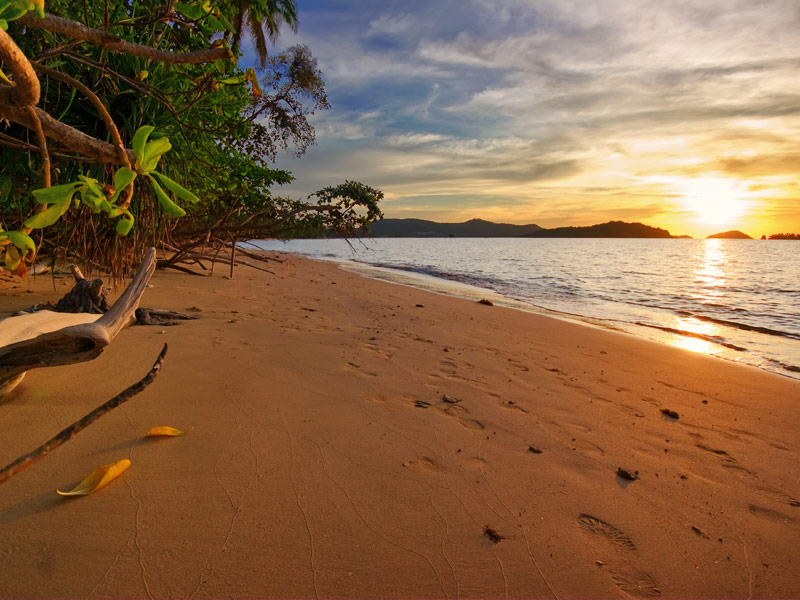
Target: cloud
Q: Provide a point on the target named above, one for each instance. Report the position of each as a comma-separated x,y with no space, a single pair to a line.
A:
392,25
564,107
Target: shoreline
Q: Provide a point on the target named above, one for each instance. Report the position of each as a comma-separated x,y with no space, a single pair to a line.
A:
354,439
694,342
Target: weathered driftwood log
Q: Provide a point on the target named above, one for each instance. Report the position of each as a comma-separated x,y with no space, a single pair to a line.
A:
48,339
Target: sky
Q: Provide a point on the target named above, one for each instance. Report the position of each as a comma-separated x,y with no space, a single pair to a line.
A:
681,114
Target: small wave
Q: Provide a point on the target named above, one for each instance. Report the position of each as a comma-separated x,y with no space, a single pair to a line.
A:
707,338
746,327
485,282
782,365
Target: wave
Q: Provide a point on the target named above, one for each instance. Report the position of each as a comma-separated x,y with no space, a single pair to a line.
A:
708,338
742,326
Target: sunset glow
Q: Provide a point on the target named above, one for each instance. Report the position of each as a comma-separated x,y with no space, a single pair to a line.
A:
715,201
678,115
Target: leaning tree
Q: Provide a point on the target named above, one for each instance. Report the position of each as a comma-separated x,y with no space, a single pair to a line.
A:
138,113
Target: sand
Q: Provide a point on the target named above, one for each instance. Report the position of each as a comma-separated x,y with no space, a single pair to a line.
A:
358,439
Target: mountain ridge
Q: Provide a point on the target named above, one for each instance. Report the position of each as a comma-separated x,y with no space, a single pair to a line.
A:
481,228
471,228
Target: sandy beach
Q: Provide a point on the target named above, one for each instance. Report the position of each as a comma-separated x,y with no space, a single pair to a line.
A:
358,439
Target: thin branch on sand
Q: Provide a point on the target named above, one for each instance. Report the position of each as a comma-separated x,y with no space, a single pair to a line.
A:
23,462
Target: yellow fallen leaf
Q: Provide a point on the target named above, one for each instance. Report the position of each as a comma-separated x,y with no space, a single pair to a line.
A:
98,478
164,430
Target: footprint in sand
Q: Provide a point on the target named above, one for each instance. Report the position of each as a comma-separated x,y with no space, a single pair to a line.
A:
424,465
607,531
386,354
728,462
474,462
517,364
712,450
768,513
619,568
585,446
459,413
447,367
636,584
354,368
377,398
511,405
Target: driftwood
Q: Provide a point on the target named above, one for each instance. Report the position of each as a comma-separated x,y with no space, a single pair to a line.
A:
157,316
86,297
47,338
23,462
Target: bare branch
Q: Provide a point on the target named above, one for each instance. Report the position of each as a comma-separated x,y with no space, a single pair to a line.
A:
23,462
112,43
45,155
96,102
66,136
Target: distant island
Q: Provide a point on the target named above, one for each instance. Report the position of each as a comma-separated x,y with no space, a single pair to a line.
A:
612,229
480,228
472,228
730,235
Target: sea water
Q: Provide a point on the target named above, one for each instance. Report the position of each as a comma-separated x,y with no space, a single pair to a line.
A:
736,299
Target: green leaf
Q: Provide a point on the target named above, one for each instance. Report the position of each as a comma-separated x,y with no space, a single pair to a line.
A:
166,202
192,11
139,141
122,179
92,185
21,241
12,13
125,223
214,22
12,258
6,185
48,216
92,199
175,188
57,193
226,23
250,75
110,209
152,153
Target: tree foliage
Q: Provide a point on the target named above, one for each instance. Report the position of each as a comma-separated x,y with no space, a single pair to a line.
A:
140,113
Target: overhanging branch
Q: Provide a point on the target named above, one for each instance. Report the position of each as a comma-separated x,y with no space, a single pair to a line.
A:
112,43
66,136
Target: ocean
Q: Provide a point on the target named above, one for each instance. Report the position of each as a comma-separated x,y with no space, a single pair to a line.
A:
735,299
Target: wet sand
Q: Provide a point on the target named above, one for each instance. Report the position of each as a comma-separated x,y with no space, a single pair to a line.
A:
358,439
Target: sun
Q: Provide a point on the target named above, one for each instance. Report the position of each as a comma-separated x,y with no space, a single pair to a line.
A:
715,200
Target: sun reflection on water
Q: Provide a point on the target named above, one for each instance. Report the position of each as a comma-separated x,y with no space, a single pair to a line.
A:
709,275
710,286
695,344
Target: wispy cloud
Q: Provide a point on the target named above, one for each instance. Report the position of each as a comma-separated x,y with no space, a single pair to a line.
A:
560,111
